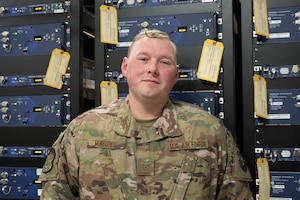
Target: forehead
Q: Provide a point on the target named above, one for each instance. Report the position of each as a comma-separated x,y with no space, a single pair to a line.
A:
163,44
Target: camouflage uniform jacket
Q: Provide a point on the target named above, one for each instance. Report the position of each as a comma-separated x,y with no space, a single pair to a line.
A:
186,154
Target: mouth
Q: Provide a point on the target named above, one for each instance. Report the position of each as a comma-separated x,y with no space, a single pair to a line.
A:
151,81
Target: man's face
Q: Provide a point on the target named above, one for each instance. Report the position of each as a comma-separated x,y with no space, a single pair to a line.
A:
151,69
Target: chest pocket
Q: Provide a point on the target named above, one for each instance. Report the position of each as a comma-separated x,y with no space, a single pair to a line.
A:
195,174
107,172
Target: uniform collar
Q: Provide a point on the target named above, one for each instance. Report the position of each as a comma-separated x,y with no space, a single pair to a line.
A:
166,124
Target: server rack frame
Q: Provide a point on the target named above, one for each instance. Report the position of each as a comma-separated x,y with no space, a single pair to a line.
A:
33,135
251,55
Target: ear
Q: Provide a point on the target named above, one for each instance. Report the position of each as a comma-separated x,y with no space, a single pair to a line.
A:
124,66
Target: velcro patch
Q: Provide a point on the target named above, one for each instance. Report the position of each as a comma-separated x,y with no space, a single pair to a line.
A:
49,161
181,145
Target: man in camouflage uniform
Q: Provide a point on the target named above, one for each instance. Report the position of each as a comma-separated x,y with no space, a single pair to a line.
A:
146,146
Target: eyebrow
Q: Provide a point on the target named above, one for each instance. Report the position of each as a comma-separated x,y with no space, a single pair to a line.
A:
161,57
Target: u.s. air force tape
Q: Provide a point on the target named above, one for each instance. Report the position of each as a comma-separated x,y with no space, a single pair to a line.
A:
49,161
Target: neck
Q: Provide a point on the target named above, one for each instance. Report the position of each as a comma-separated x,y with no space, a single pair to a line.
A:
146,110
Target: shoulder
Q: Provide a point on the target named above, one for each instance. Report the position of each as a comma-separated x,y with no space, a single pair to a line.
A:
189,112
100,112
103,110
98,118
197,122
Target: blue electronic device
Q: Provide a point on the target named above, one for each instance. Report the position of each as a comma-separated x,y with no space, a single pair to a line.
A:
142,3
35,9
278,154
284,24
28,80
20,183
186,30
38,39
44,110
283,107
278,71
24,152
284,185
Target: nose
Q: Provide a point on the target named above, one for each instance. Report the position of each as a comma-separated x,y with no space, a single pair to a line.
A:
152,68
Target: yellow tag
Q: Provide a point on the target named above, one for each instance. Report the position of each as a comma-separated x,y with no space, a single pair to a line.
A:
108,24
260,96
263,179
210,60
57,68
108,91
261,23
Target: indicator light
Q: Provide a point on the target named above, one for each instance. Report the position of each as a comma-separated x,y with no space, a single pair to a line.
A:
182,29
37,152
38,9
38,80
38,109
37,182
38,38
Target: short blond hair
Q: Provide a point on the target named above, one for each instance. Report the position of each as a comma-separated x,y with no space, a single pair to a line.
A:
153,33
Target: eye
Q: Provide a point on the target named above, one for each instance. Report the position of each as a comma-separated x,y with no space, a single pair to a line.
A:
165,62
143,58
